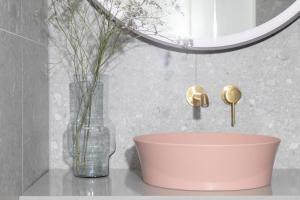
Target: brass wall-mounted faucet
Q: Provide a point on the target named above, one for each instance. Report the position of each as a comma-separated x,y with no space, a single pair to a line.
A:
197,97
231,96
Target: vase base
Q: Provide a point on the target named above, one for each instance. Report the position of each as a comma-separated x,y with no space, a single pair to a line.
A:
92,176
91,171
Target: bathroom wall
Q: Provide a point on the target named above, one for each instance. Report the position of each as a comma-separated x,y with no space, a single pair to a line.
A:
147,86
24,107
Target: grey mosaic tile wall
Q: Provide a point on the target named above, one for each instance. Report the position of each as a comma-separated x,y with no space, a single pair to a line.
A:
147,88
24,98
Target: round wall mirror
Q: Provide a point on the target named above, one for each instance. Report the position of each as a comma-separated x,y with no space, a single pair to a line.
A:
203,25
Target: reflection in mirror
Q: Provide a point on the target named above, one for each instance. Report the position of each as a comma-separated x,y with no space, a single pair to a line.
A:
215,18
268,9
192,22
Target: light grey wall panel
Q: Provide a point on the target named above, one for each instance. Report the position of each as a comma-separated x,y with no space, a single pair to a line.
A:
21,45
35,112
10,15
34,15
10,114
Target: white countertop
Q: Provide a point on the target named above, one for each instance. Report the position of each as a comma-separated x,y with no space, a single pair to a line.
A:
125,184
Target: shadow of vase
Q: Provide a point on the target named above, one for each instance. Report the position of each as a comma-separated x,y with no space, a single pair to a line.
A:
67,155
132,159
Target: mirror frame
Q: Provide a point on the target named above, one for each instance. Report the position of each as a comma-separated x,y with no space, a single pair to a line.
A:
224,43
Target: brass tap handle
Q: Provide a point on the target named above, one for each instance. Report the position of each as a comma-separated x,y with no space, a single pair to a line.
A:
197,97
231,96
232,114
205,100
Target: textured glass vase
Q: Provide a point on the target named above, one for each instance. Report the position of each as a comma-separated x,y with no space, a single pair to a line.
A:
92,143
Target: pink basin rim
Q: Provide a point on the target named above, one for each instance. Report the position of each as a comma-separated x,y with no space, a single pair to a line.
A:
206,139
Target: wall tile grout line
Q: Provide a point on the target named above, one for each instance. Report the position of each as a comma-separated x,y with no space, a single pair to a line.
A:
22,105
22,37
22,120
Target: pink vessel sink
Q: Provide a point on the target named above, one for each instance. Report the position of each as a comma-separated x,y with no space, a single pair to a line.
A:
207,161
